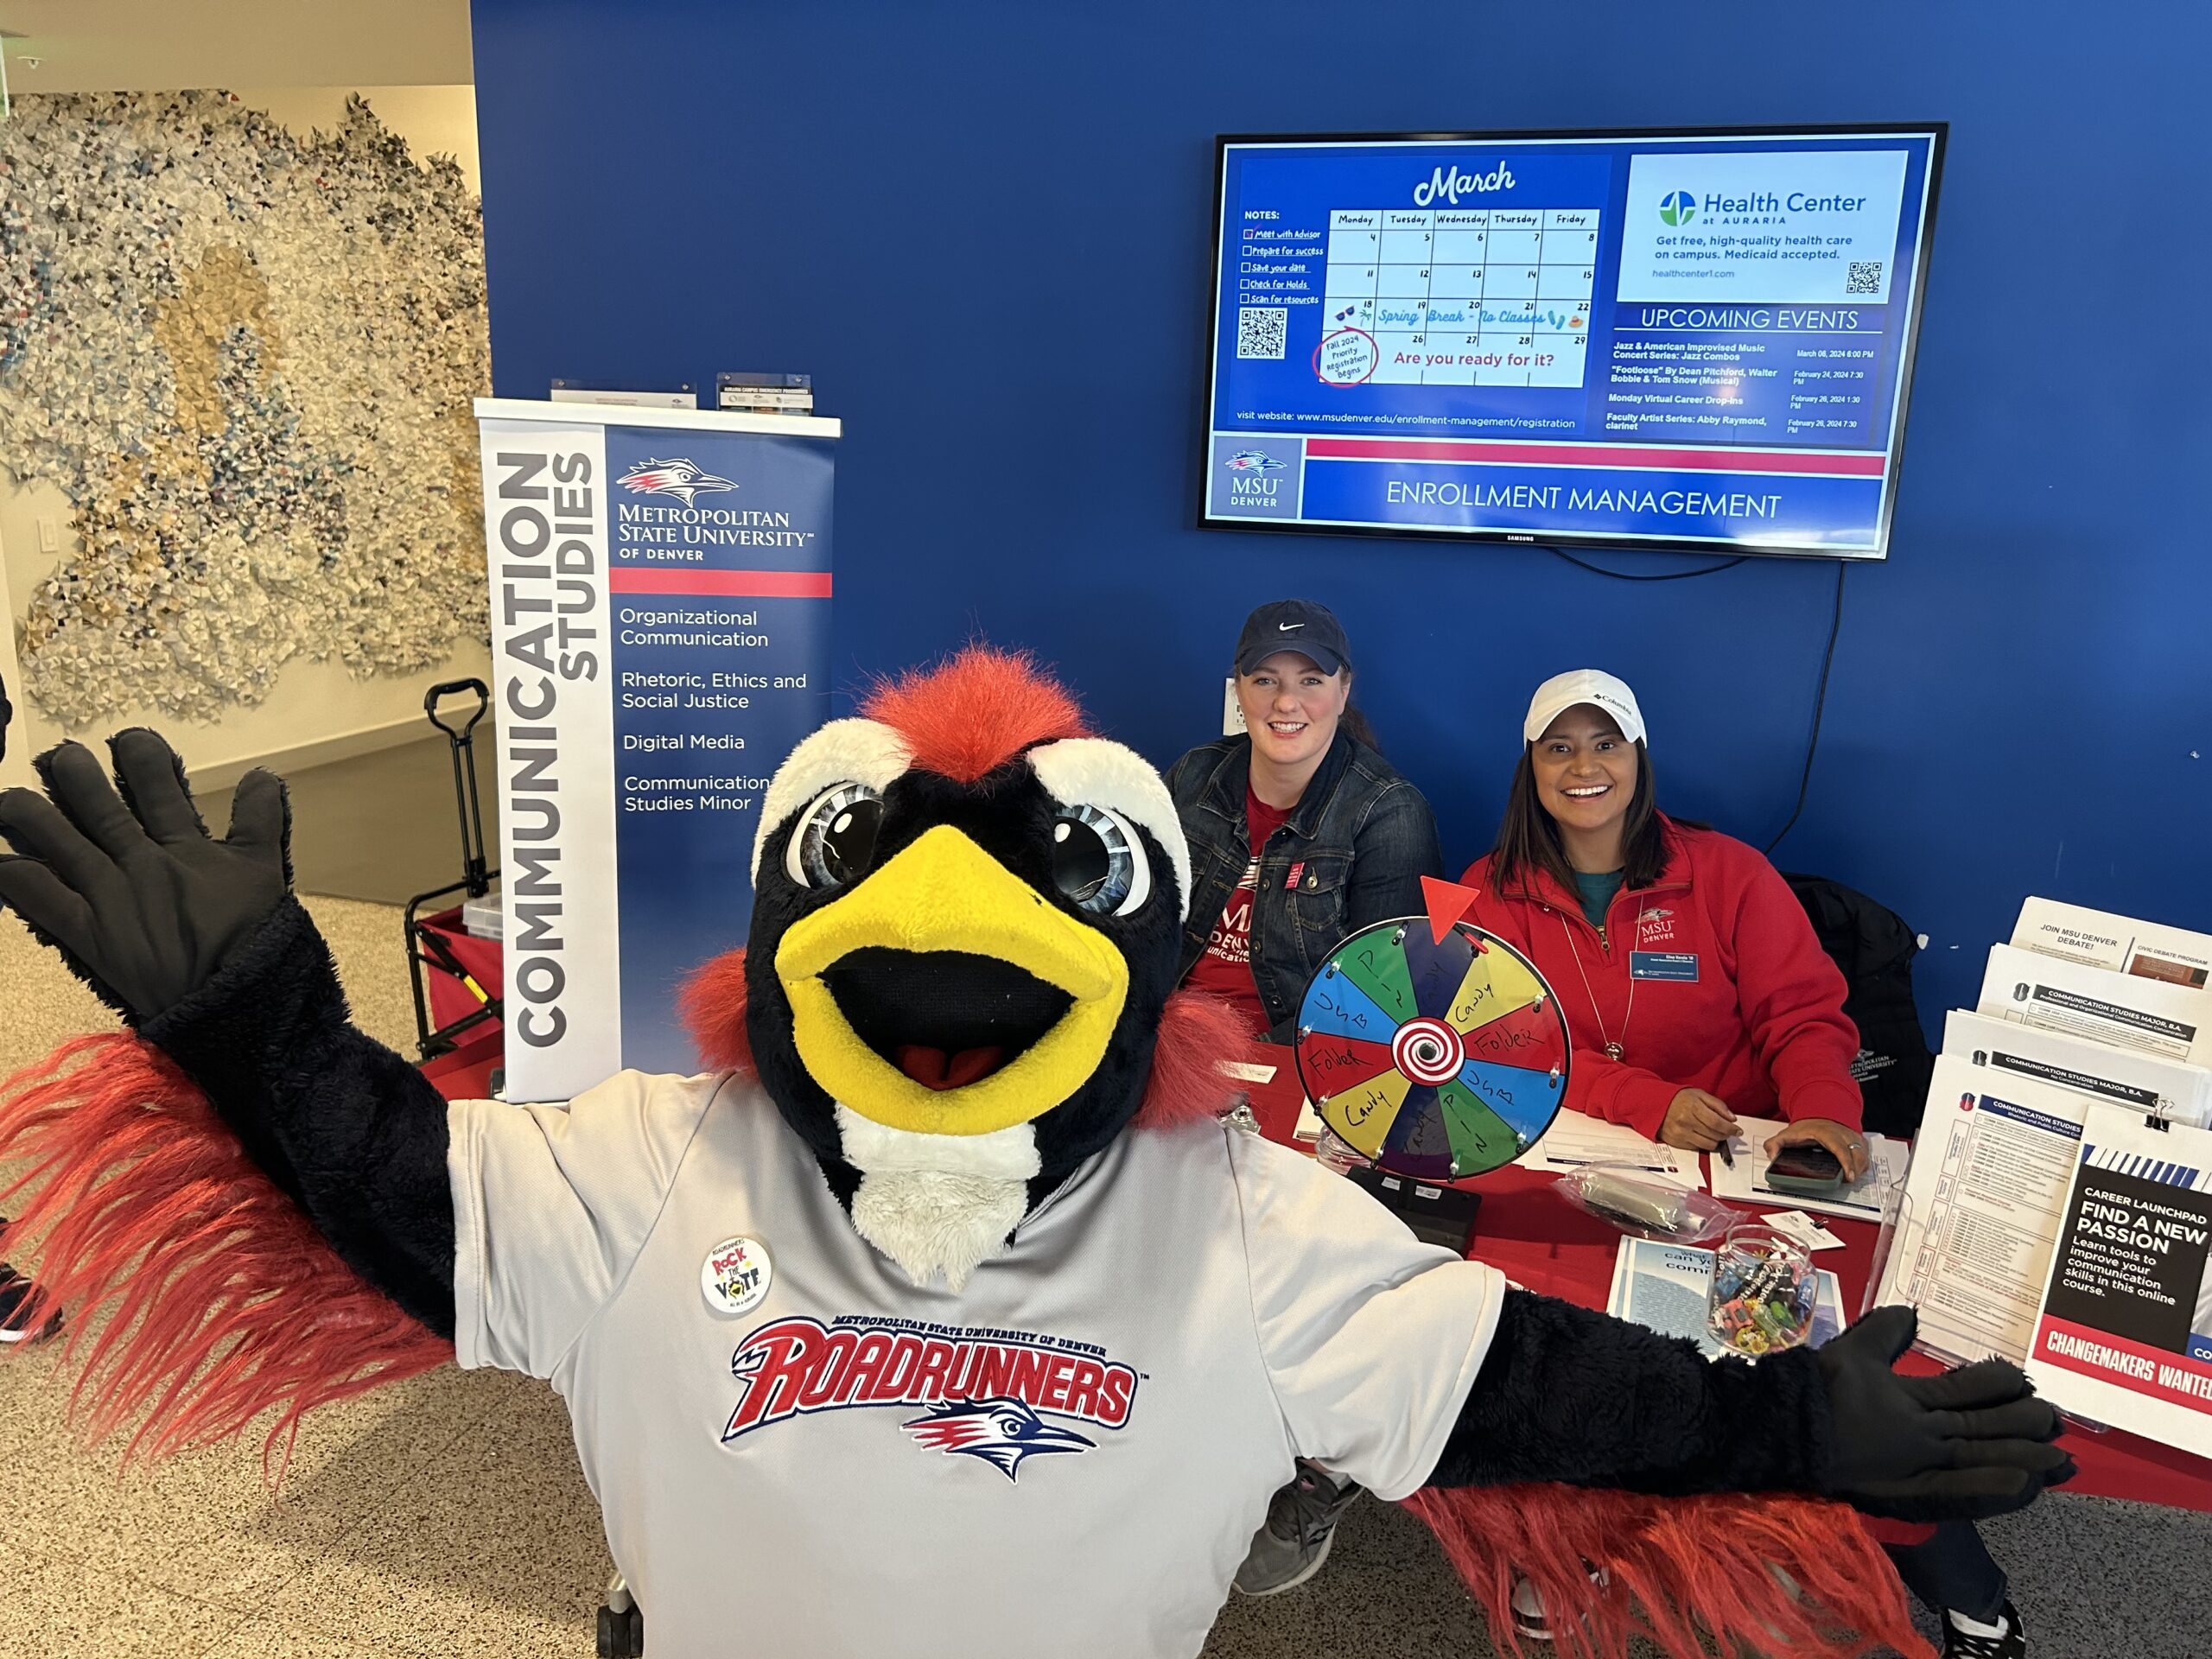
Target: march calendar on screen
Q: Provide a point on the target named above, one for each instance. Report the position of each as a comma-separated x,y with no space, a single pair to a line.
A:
1688,338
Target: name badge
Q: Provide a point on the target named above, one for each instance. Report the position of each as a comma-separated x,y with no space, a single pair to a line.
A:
1663,964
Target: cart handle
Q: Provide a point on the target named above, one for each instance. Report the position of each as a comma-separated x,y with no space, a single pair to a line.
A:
445,687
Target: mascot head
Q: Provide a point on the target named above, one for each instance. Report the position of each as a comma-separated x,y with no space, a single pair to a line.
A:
966,922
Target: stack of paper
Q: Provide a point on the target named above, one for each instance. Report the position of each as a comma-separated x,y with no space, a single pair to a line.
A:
2083,1018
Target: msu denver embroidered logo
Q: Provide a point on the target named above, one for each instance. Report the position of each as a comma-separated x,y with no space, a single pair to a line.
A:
988,1393
681,479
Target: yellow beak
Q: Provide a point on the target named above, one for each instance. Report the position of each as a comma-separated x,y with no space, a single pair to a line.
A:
944,892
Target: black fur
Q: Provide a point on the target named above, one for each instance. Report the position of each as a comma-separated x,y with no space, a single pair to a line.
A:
1568,1394
1009,815
352,1132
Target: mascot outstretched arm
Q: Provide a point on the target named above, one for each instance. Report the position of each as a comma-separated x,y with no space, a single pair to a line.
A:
945,1315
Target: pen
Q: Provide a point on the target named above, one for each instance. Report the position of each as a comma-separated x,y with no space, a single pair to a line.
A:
1726,1156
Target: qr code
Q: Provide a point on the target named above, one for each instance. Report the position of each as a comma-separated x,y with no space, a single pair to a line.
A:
1866,277
1261,330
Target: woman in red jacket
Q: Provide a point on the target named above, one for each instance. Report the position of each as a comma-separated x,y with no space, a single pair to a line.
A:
1693,988
1692,980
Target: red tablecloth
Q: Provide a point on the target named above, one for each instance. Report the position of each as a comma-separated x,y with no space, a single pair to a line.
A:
1535,1238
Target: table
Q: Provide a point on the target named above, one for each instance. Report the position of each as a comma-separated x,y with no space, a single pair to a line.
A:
1533,1237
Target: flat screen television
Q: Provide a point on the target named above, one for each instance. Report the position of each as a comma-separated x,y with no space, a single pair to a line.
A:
1688,338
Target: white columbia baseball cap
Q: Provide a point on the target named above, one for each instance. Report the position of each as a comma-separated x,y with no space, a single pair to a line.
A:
1590,685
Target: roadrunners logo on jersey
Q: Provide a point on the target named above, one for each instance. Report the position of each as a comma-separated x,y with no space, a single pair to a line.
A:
1000,1432
988,1393
681,479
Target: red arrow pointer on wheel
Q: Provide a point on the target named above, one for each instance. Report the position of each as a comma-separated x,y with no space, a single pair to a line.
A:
1448,902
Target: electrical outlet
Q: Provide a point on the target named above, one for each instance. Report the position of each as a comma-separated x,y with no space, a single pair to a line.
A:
49,534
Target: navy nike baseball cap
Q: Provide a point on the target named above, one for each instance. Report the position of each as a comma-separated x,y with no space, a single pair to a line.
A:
1296,625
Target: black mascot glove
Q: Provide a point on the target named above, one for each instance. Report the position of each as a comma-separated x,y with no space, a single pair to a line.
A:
143,903
1969,1444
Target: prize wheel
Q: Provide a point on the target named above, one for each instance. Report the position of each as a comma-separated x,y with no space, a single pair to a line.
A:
1434,1060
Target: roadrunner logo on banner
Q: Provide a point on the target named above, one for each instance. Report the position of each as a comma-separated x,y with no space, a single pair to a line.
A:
682,478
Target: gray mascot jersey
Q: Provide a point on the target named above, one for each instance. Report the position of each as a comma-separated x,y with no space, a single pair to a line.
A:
800,1453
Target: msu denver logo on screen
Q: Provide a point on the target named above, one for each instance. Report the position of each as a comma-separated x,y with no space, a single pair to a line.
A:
681,479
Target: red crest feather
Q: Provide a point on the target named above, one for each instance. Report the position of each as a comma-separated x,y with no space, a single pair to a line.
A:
976,711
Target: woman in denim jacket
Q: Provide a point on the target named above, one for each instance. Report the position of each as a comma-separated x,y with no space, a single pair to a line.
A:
1299,832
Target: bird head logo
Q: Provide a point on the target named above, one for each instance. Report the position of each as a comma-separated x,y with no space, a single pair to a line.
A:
1003,1432
683,480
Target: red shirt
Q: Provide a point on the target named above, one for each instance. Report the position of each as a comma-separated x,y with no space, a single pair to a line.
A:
1226,970
1732,992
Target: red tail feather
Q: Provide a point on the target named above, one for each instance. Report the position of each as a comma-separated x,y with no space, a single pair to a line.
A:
1673,1568
1195,1032
225,1302
712,1007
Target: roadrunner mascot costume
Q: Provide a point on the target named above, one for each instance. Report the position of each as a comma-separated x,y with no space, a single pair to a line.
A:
944,1315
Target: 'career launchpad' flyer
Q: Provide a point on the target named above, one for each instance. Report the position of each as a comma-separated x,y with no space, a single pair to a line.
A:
1688,338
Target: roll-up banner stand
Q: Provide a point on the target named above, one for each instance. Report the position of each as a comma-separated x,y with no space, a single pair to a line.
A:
660,639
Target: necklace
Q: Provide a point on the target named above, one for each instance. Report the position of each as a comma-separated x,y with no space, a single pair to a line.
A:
1613,1048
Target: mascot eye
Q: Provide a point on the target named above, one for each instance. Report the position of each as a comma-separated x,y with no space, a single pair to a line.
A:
835,837
1098,862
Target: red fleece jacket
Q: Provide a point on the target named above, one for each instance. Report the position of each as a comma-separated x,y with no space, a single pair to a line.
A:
1732,992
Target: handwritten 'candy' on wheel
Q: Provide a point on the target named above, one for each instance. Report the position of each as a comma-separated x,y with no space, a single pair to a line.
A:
1497,983
1334,1004
1362,1115
1527,1101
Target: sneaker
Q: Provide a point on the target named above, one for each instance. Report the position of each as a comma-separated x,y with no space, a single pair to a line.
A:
1967,1638
1530,1621
14,1291
1301,1522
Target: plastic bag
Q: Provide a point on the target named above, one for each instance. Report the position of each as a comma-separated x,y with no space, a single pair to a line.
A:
1642,1204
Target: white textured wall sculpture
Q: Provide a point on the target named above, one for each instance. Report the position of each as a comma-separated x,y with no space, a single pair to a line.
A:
247,358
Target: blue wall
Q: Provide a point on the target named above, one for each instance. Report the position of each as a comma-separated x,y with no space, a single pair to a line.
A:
985,230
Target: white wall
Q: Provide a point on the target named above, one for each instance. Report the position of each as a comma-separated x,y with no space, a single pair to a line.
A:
317,712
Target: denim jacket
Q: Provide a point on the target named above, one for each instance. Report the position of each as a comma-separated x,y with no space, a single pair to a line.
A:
1360,839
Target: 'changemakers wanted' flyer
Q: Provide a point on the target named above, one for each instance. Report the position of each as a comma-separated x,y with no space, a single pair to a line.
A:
2126,1333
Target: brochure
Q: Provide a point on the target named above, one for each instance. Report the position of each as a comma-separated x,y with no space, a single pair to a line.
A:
2121,1077
2122,944
1982,1203
2127,1010
2124,1335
